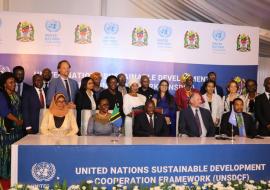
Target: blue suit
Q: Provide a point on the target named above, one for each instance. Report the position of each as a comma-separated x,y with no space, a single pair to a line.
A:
57,86
30,108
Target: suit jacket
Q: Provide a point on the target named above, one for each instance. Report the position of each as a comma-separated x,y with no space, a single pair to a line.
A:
57,86
30,108
25,88
142,127
262,114
226,127
149,93
187,124
218,88
82,101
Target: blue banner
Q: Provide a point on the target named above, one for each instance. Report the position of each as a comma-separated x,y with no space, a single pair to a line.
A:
142,164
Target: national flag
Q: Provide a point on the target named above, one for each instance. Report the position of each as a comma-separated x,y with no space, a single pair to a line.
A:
116,118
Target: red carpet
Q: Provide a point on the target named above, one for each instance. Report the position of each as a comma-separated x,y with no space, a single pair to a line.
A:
5,183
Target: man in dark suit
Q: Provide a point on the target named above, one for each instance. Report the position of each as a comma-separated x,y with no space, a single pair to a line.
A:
32,101
47,76
149,123
212,76
196,121
18,72
262,109
145,89
242,123
63,84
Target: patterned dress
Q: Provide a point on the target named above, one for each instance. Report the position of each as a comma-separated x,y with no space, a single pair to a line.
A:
9,132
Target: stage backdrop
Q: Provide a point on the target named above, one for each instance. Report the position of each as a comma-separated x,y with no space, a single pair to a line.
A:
162,49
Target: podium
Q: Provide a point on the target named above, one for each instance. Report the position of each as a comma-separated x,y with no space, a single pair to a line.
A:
40,160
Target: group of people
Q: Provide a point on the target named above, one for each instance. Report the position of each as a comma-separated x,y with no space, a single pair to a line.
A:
203,112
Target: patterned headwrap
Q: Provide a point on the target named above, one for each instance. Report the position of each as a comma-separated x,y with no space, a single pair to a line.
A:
184,77
95,75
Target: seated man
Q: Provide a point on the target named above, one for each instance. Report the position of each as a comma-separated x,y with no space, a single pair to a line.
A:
243,123
150,123
196,121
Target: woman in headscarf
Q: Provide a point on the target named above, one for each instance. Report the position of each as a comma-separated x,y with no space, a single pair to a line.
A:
183,94
59,120
10,122
130,101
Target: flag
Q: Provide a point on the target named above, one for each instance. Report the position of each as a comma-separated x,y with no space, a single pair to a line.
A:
116,118
232,119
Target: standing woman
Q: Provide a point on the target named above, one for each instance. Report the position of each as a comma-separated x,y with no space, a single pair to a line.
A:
10,122
249,98
85,99
96,76
183,94
213,103
166,101
232,89
130,101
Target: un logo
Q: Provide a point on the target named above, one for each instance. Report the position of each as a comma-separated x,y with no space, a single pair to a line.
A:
43,171
164,31
53,25
218,35
111,28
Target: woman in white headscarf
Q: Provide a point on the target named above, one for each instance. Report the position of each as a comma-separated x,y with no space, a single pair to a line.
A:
130,101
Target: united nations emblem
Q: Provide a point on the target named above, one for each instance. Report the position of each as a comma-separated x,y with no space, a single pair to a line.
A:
218,35
4,69
243,43
191,40
25,32
53,25
83,34
111,28
43,171
139,37
164,31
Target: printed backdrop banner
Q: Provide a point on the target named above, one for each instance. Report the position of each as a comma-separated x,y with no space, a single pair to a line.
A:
107,165
158,48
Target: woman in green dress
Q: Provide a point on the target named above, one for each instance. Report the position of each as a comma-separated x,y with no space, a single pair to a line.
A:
11,122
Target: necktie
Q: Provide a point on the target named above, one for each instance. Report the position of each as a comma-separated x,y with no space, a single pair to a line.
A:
68,91
19,89
198,123
241,126
41,98
46,87
151,121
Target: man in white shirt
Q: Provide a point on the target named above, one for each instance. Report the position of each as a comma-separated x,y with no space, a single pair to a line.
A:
19,73
33,100
150,123
47,76
196,121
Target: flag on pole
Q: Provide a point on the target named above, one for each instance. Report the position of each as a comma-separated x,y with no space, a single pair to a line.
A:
116,118
232,119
